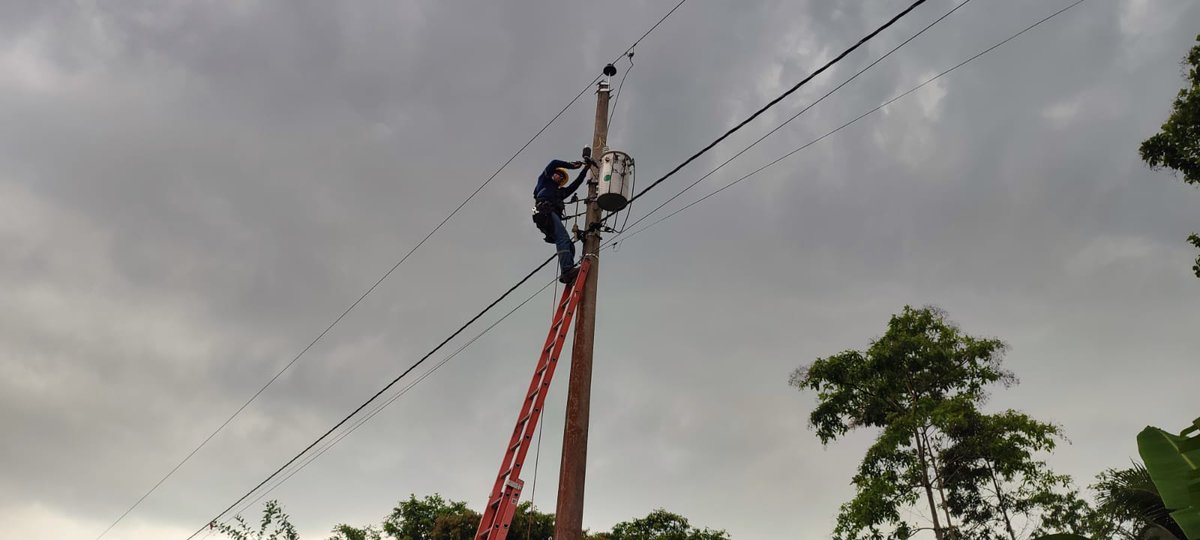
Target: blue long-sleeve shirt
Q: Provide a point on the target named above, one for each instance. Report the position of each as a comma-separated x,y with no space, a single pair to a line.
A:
547,189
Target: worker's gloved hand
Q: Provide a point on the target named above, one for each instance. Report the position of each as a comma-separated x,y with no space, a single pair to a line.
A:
576,164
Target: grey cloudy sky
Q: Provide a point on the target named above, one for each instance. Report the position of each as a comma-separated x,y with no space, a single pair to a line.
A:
191,191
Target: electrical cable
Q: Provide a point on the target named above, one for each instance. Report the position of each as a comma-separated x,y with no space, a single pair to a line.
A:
372,288
381,391
381,406
676,169
843,126
861,116
797,115
781,97
617,97
361,421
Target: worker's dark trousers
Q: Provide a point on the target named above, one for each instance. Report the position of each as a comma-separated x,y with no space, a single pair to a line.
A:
549,221
562,240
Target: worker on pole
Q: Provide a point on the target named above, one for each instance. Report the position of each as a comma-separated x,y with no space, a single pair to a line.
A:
549,196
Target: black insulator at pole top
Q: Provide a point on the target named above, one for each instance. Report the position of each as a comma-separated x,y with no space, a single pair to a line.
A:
610,70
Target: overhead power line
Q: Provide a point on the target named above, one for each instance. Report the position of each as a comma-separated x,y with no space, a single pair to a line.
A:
379,393
781,97
861,116
376,284
795,116
547,261
367,417
697,155
826,135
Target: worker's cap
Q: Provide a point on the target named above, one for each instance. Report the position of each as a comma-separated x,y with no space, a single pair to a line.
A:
561,176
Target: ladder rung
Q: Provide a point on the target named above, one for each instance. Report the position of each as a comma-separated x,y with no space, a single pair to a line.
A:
534,393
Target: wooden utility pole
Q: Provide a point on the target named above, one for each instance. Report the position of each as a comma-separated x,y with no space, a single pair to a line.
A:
568,523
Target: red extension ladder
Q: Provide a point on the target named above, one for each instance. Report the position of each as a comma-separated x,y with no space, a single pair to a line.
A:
502,503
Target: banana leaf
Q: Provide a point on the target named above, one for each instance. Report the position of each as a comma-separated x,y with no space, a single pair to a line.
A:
1174,465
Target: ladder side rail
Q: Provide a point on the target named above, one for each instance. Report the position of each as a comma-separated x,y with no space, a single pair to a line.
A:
505,495
540,400
559,313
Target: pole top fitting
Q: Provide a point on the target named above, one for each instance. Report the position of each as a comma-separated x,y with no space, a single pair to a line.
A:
603,86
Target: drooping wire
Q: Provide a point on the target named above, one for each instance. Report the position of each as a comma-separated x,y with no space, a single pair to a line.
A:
860,117
537,454
381,406
629,207
781,97
617,97
542,418
576,214
380,392
612,112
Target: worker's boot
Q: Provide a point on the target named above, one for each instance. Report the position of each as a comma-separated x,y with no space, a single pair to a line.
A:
567,277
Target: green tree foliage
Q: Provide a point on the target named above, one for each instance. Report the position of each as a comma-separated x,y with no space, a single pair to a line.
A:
659,525
1194,240
1177,144
456,526
1131,507
920,386
347,532
529,524
275,525
436,518
416,519
994,479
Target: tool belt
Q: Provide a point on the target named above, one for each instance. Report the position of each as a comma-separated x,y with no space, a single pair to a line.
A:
549,207
543,215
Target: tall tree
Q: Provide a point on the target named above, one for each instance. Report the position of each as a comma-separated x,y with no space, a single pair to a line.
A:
659,525
415,518
920,386
1177,144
